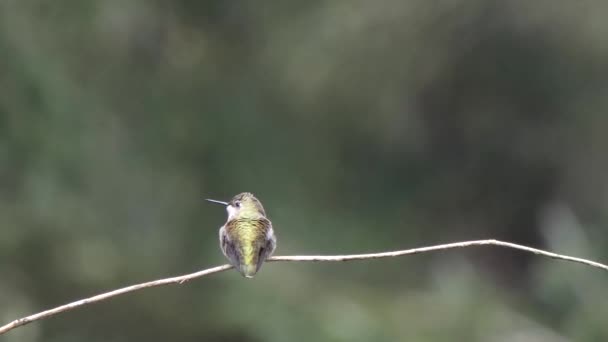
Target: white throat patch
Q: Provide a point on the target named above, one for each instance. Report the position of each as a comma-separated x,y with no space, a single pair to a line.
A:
231,211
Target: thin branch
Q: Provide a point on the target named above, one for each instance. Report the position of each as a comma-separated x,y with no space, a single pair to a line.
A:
184,278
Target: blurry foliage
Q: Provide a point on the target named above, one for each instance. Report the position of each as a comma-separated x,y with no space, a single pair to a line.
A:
362,127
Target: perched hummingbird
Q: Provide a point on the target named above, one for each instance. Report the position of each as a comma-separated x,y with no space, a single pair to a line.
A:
247,237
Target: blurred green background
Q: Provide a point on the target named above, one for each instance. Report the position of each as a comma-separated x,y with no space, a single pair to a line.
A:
361,125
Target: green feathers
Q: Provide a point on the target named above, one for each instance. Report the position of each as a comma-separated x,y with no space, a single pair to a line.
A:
247,239
249,236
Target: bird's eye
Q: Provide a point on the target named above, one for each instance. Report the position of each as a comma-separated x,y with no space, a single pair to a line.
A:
237,204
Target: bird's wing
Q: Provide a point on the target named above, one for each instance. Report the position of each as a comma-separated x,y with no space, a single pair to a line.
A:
228,248
267,247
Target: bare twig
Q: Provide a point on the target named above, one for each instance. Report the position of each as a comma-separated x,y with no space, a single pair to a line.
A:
181,279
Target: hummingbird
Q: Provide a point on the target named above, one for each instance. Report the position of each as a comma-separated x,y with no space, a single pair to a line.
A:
247,237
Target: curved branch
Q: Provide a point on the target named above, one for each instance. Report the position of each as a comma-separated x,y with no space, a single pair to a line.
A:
320,258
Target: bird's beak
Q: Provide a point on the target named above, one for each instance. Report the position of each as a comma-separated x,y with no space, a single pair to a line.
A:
216,201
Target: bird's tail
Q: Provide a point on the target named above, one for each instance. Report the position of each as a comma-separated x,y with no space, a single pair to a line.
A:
248,270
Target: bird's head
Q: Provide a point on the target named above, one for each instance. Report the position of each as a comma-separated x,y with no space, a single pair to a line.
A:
243,205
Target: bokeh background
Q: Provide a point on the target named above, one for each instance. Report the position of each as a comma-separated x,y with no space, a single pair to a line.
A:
362,126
